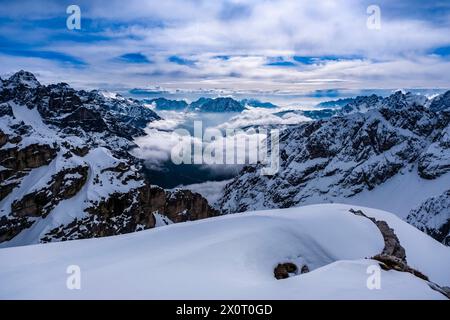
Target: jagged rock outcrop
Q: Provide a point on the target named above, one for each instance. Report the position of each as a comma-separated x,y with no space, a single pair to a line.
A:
441,102
63,185
65,168
166,104
392,246
133,211
283,270
361,104
393,256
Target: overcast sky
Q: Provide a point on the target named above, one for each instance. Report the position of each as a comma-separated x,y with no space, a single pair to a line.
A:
233,45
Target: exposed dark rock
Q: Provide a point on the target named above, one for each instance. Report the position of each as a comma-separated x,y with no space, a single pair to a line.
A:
80,151
216,105
393,256
447,291
81,122
5,110
433,217
88,120
7,188
392,246
17,163
389,262
441,102
282,270
304,269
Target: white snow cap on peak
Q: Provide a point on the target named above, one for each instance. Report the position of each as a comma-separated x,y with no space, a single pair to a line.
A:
26,78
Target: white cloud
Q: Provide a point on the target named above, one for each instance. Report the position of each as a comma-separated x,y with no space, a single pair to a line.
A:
394,56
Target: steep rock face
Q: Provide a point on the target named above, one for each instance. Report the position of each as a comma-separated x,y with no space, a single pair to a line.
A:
361,104
396,101
32,156
133,211
65,168
337,159
433,217
11,226
339,103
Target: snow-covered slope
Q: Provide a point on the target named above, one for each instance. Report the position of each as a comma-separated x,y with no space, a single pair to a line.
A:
65,170
394,156
398,100
233,257
433,217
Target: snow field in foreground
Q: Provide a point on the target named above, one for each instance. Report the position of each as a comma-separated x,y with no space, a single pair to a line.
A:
232,257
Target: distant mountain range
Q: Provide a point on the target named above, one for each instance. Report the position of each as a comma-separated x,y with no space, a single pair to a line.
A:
66,173
215,105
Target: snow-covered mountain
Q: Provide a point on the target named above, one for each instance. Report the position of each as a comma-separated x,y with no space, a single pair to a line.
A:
339,103
333,250
441,102
66,174
203,104
391,153
398,100
65,170
166,104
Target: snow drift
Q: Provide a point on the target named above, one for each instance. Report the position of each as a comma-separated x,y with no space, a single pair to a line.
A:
232,257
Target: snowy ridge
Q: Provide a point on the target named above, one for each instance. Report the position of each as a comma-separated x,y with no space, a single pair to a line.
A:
232,257
433,217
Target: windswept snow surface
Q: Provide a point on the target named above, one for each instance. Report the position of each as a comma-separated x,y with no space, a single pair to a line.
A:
231,257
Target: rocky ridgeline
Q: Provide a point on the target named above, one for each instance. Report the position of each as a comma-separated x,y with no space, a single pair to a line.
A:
65,170
372,141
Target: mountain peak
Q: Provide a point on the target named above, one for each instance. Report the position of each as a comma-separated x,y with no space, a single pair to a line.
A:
441,102
25,78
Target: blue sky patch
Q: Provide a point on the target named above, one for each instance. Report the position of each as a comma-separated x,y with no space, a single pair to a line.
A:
134,58
181,61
